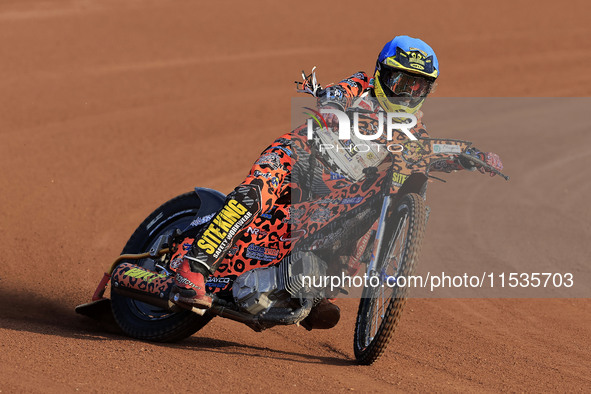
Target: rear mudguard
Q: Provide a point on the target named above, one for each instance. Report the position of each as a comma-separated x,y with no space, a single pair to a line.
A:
139,283
211,200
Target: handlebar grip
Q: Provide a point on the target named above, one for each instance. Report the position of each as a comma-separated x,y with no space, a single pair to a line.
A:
484,164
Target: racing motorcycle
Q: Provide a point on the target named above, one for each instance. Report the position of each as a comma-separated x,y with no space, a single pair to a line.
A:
376,222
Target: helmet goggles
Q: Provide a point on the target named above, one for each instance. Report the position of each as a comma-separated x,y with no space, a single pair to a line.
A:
404,85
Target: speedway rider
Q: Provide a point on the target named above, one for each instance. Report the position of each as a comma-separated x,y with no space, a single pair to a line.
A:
405,74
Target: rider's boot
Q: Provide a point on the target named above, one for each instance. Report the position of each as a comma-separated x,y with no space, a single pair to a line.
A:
323,316
209,248
189,286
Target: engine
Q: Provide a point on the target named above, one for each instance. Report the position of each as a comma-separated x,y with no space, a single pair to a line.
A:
264,288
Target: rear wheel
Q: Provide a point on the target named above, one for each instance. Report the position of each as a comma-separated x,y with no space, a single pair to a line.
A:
381,306
144,321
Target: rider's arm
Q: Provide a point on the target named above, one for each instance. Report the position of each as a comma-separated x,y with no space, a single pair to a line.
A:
459,163
462,163
341,95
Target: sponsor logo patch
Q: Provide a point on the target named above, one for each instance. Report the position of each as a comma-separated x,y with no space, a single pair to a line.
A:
223,227
261,253
143,275
446,148
334,176
256,231
258,173
200,220
351,200
398,179
214,281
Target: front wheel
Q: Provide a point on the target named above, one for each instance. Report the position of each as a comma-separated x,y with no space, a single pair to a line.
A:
381,306
144,321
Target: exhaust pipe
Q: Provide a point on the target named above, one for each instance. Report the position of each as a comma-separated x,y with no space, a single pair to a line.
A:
133,281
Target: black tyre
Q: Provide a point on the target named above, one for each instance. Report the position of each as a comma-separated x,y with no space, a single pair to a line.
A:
381,306
143,321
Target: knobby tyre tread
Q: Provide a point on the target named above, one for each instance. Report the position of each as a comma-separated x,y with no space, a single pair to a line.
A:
415,233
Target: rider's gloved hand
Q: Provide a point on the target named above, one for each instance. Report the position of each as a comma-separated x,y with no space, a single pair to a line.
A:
493,160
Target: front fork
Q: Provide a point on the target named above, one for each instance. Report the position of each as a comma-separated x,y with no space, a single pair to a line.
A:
379,236
377,247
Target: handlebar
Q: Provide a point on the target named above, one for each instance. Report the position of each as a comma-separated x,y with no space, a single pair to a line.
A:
483,164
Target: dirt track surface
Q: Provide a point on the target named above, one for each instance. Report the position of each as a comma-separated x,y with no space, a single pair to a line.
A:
109,109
